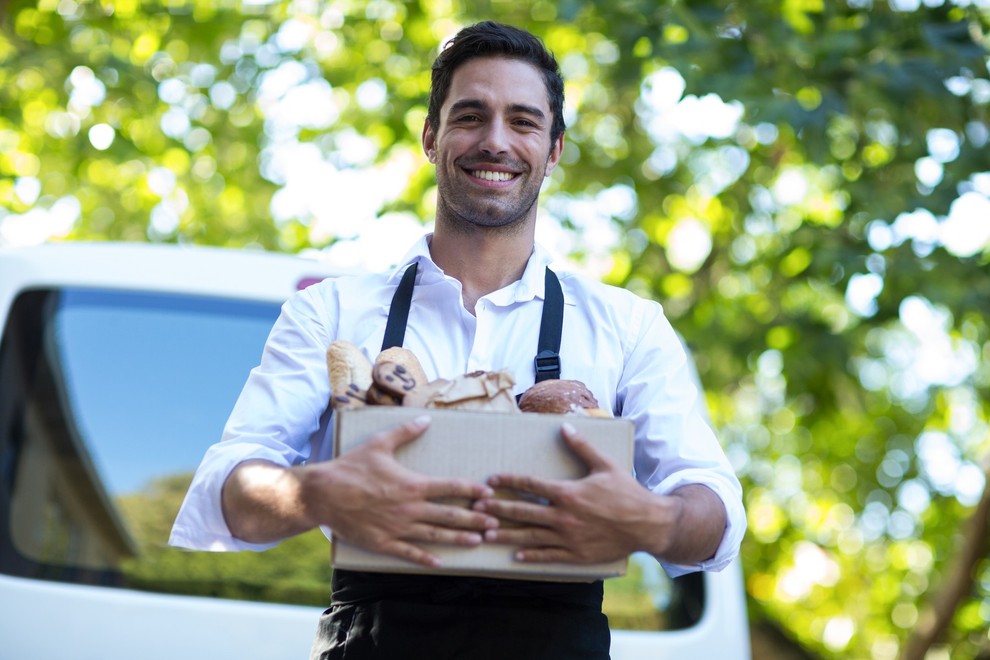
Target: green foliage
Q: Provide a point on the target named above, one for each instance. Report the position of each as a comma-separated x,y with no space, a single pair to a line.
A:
296,571
858,446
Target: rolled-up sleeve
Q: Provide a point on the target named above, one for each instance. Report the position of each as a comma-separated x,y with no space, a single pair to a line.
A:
280,416
675,444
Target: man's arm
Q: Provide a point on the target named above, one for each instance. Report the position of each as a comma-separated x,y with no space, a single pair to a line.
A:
365,496
606,515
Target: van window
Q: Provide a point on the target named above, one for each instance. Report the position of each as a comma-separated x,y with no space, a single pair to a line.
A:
109,400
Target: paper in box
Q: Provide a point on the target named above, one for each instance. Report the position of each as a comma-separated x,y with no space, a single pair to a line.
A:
476,445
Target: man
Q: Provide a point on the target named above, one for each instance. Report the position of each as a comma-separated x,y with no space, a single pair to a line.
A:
494,131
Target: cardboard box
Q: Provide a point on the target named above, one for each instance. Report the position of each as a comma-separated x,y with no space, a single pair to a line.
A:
475,446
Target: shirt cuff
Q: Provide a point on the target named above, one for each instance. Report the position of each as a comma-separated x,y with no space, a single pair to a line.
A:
200,524
181,537
735,519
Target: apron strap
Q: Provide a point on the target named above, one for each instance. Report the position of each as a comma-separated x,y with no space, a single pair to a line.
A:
547,361
398,311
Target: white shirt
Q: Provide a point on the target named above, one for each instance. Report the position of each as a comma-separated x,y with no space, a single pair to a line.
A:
619,345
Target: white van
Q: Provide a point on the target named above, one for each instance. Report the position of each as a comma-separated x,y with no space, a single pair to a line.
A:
118,366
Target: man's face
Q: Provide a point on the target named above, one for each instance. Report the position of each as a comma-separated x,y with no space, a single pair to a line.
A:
492,148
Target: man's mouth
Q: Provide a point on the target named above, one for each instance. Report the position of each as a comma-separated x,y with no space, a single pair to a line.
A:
489,175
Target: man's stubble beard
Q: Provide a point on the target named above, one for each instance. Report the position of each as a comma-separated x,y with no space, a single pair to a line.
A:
475,220
467,214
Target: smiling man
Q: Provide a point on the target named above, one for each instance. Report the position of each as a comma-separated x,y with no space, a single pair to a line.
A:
494,131
492,145
492,148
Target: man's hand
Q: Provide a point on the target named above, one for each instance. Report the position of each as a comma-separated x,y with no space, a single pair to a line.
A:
365,496
604,516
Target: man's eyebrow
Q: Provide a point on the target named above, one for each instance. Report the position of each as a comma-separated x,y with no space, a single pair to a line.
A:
527,109
466,104
475,104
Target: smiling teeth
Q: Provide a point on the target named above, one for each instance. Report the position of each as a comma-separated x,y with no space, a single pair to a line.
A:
493,176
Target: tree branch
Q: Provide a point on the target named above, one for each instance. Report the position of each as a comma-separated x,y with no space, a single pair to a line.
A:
941,608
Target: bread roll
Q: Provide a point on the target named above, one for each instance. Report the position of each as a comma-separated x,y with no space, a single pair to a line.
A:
560,397
350,375
396,373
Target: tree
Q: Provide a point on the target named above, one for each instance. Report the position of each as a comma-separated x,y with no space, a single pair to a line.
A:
819,237
296,571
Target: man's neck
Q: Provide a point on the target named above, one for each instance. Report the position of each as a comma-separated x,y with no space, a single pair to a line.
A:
481,261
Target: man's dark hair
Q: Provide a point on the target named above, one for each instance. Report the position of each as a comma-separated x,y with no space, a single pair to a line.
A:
490,39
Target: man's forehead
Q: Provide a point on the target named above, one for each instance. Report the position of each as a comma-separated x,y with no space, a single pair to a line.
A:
499,80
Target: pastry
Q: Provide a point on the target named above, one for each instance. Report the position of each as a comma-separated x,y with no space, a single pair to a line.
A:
560,397
487,391
350,375
395,374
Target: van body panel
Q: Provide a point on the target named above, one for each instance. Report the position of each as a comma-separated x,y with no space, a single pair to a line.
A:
44,620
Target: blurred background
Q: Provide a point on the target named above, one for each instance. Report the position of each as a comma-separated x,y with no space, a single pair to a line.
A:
804,185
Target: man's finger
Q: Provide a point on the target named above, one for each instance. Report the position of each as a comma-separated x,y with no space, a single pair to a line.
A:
545,555
543,488
402,434
424,533
584,449
457,516
539,537
452,489
410,552
523,512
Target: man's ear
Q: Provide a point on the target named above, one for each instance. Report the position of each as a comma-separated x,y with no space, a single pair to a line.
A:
429,140
555,152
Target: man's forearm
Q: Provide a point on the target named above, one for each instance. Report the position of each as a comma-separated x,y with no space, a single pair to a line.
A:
263,502
698,526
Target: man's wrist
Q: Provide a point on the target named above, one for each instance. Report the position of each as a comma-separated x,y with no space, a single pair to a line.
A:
690,524
666,514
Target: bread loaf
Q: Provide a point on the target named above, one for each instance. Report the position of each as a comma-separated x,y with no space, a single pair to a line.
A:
396,373
350,375
560,397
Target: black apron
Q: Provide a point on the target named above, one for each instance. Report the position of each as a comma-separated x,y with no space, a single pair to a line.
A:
393,616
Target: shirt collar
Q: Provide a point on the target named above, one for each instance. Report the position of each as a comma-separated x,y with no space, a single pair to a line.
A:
531,285
419,252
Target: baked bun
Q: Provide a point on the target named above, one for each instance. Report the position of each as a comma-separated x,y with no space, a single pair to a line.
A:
396,373
560,397
350,375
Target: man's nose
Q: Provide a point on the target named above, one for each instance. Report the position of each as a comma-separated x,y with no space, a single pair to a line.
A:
495,139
